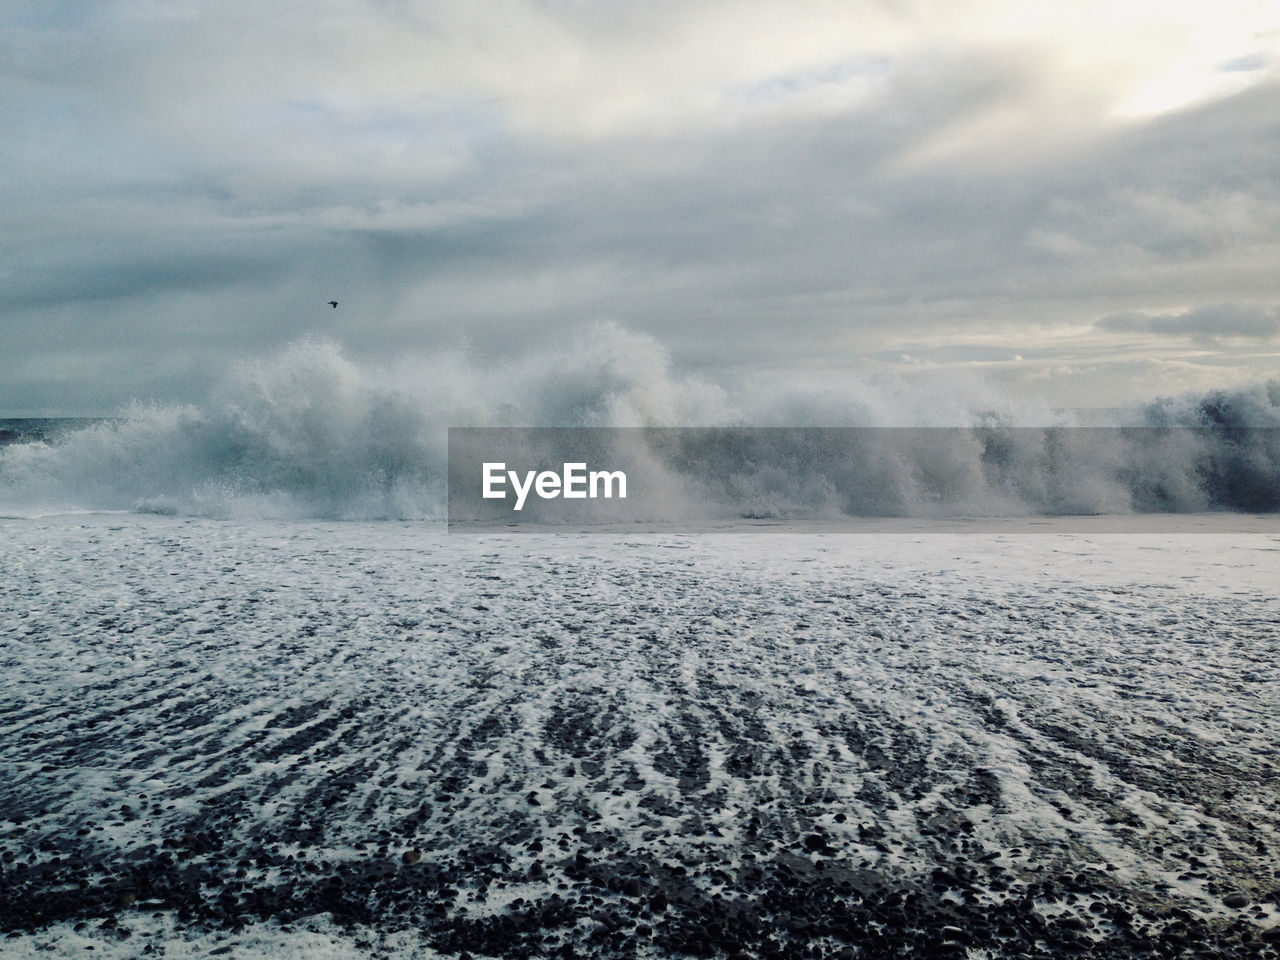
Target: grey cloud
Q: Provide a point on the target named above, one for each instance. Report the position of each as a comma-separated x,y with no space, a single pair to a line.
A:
1209,324
95,279
1245,64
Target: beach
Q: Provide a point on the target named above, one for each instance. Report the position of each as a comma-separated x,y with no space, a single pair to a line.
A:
382,739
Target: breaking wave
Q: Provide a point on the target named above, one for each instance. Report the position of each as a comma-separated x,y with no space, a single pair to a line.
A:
308,432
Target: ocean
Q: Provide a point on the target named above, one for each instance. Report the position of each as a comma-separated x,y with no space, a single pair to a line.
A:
260,701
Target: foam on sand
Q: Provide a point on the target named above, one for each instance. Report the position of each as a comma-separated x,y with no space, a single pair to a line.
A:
640,746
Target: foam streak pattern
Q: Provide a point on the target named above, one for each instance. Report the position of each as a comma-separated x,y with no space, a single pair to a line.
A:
643,747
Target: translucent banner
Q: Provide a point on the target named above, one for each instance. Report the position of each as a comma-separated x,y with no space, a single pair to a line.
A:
874,479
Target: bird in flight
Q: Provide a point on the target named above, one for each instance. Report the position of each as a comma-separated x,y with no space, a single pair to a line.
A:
334,304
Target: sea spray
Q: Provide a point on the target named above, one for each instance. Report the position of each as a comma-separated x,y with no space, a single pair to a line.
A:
309,432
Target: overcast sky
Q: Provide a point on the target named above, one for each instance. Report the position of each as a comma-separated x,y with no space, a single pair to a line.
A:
1075,201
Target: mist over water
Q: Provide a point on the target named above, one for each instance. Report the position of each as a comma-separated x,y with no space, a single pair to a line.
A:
310,432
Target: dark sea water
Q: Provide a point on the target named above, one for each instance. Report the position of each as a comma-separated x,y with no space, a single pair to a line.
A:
45,429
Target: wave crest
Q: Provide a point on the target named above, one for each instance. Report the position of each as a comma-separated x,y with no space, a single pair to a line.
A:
308,432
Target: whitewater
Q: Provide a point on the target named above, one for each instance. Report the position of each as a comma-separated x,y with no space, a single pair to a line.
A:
259,701
309,433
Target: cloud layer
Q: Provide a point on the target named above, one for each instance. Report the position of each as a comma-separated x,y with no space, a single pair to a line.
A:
800,190
1206,324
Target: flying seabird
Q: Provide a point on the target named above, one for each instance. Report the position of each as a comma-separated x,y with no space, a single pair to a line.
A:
334,304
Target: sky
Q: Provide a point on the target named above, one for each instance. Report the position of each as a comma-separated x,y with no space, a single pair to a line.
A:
1074,202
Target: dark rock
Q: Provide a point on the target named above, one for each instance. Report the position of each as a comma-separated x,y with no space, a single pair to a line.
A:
815,843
